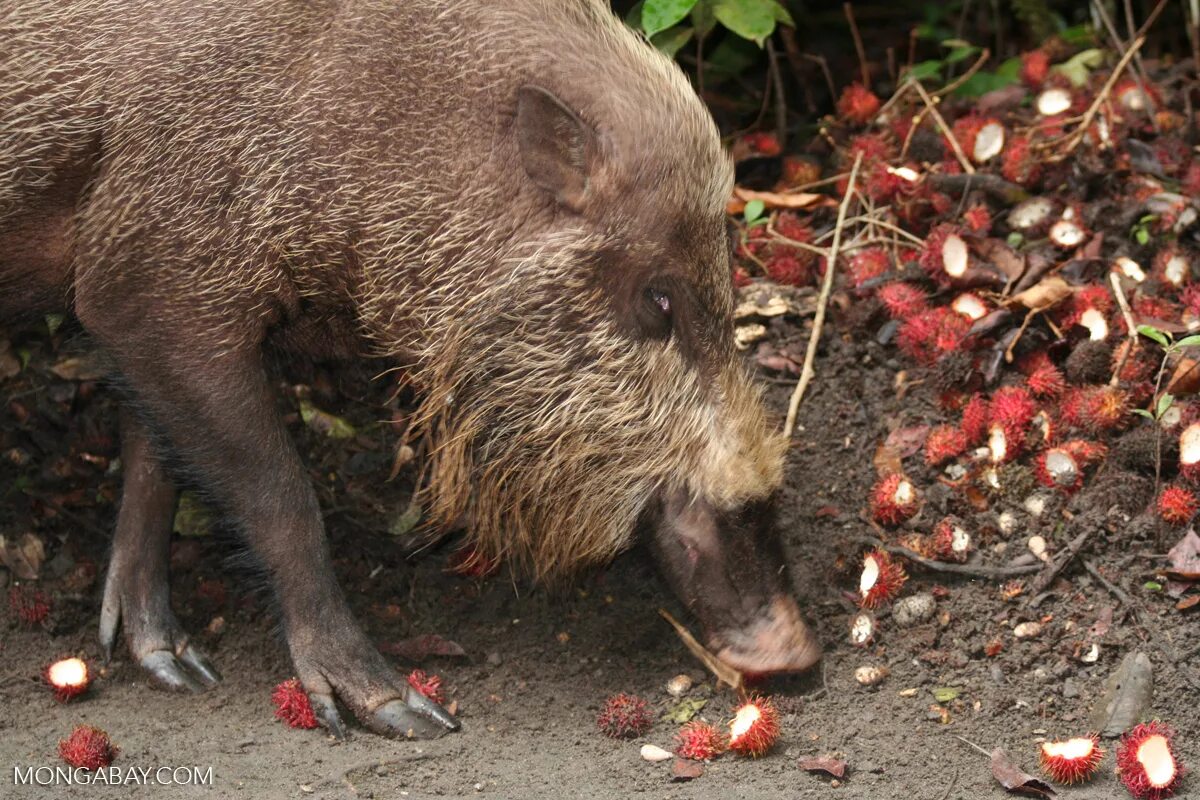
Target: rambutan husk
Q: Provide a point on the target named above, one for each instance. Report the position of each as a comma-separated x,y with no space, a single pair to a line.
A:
1189,453
754,727
1146,762
1071,760
881,579
894,500
68,678
950,541
700,741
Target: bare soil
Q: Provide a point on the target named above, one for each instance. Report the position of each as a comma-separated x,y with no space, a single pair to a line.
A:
540,661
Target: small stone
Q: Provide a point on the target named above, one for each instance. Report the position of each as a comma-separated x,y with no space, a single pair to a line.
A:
684,769
494,659
1007,522
914,609
870,676
1035,504
679,685
1069,689
653,753
1037,546
862,629
1027,630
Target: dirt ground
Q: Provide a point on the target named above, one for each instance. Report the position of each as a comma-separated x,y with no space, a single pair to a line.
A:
539,661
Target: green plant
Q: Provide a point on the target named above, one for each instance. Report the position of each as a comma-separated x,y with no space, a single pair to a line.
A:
1163,401
671,24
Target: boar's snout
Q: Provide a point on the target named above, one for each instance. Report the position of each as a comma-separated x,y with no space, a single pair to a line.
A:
728,568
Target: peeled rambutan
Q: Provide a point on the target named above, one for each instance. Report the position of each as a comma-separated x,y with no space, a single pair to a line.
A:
87,748
945,256
699,741
1035,66
894,499
428,685
976,414
1177,505
1172,266
950,541
944,443
624,716
881,579
901,300
292,705
755,727
1146,762
68,678
970,306
858,104
1004,442
1189,453
1071,760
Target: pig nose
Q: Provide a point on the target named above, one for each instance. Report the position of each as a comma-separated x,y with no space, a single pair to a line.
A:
778,640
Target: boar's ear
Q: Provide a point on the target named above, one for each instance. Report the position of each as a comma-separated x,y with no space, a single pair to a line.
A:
557,147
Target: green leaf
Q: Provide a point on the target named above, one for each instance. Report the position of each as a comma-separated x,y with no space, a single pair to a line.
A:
1078,35
732,56
1143,413
53,321
923,70
324,423
1153,333
670,41
1189,341
687,708
960,53
782,15
658,15
1152,586
983,82
191,517
703,19
407,520
1010,69
1015,240
1080,65
1164,403
634,18
1141,235
754,210
751,19
944,694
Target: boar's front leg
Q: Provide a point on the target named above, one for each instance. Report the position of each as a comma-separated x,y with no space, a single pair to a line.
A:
137,588
205,390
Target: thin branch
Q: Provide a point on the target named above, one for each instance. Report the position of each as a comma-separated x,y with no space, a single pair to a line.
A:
1115,279
941,123
1073,140
806,373
956,569
966,76
848,8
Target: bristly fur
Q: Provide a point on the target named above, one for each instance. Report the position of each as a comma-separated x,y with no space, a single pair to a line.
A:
270,162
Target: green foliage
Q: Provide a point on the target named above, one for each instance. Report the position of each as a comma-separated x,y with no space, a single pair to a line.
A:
754,210
662,20
1169,346
1037,17
1140,232
1079,66
982,82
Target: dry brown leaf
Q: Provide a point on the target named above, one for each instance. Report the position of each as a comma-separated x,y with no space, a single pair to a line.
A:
783,199
887,460
1185,379
1046,293
89,367
834,766
1007,260
723,672
908,441
1188,603
684,769
1016,780
24,556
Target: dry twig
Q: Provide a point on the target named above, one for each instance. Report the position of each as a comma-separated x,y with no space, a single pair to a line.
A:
941,123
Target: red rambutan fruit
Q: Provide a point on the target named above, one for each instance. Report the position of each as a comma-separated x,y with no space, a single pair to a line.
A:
30,606
754,728
624,716
799,171
881,579
1146,762
944,443
1046,380
1094,408
1134,97
978,219
1172,266
428,685
1035,66
1019,164
1004,442
868,263
292,705
950,541
1177,505
858,104
902,300
789,225
945,255
699,741
1056,468
975,416
1189,453
740,278
787,269
1014,408
68,678
873,148
87,748
1071,760
763,143
894,499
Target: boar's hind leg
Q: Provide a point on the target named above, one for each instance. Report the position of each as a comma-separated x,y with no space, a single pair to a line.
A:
211,400
137,589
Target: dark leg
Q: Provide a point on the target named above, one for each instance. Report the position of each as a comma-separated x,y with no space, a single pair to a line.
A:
137,589
210,398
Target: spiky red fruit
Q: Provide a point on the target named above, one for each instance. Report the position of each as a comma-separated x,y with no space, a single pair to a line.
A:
1071,760
68,678
1094,408
858,104
881,579
428,685
789,225
945,255
624,716
292,705
978,219
788,269
754,727
926,336
800,170
1019,163
1014,408
699,741
763,143
1035,66
1189,453
976,414
30,606
901,300
894,499
950,541
1046,380
944,443
868,263
1146,762
87,748
1177,505
871,146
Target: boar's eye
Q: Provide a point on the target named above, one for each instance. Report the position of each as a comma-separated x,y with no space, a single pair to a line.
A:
657,316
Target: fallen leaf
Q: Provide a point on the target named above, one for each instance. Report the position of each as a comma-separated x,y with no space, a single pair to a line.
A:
834,766
1188,603
24,556
406,520
783,199
90,367
1016,780
1102,624
1186,378
723,672
191,517
1046,293
887,460
1007,260
944,694
908,441
421,647
324,423
1127,696
686,709
1184,557
684,769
